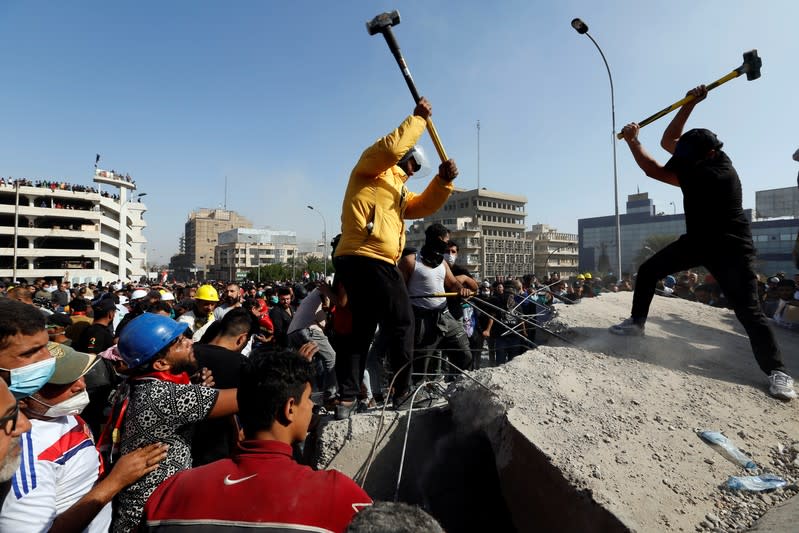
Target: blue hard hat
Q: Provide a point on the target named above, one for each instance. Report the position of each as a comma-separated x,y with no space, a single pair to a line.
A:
145,336
670,281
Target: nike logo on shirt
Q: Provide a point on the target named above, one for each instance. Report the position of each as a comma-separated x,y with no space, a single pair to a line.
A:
229,481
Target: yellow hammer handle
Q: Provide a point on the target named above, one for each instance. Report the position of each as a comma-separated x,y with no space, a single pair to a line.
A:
732,75
436,140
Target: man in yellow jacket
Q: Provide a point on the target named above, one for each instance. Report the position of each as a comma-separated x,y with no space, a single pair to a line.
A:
373,215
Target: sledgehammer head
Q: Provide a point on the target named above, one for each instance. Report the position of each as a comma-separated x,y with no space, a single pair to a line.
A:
381,22
752,64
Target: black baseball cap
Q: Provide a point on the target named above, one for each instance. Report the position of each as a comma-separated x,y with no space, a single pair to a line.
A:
691,147
59,319
105,305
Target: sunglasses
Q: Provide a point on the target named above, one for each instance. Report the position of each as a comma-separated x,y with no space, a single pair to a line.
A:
9,421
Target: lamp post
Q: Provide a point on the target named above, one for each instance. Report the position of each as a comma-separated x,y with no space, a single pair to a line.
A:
546,262
582,28
674,206
324,235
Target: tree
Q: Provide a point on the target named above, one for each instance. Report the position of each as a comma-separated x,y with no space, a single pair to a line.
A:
314,264
274,271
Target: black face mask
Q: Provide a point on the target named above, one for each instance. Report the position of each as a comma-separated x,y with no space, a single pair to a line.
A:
433,252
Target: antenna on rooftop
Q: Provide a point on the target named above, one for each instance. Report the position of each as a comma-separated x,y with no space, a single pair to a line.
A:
225,193
478,154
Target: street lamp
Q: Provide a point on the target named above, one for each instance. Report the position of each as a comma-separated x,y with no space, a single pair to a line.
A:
546,262
672,204
324,235
582,28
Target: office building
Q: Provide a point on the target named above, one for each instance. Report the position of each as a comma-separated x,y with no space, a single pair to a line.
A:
489,227
773,237
201,235
241,250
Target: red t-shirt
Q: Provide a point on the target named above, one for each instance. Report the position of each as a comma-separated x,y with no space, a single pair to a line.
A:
261,487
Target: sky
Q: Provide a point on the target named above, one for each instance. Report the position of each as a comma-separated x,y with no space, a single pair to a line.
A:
281,98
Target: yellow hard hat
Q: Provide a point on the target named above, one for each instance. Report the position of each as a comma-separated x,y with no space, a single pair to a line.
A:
207,293
587,275
580,276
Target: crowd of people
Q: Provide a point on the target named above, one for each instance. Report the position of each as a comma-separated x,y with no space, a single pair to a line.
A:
174,406
55,186
137,393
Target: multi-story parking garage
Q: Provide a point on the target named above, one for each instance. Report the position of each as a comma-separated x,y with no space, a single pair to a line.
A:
72,232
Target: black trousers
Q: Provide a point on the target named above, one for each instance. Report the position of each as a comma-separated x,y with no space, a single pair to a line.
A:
732,267
377,295
437,329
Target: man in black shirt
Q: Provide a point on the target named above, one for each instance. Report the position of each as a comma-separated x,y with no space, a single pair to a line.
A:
717,235
101,380
281,316
98,337
216,438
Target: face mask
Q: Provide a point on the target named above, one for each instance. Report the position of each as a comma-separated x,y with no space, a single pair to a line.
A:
434,251
273,299
26,380
71,406
450,258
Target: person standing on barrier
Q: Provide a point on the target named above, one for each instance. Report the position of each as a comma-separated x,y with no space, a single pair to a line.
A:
376,204
717,235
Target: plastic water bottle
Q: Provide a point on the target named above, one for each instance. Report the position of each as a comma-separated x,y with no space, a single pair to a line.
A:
727,448
756,483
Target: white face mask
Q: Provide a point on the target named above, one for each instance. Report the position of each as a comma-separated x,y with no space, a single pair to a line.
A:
71,406
450,258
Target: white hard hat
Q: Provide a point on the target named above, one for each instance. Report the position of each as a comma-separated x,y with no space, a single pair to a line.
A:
167,296
138,294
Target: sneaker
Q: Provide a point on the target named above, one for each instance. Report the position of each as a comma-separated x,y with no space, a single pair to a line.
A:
344,410
627,328
781,385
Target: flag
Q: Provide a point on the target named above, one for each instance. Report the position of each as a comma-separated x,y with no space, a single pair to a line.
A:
96,160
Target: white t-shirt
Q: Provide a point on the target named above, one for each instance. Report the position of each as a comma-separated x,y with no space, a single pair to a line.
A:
222,310
309,313
427,280
189,319
59,466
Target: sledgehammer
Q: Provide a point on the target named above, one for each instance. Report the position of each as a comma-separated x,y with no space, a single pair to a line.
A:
750,67
382,23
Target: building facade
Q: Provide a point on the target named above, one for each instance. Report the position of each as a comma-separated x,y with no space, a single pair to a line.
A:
773,238
489,227
241,250
76,233
201,235
553,252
